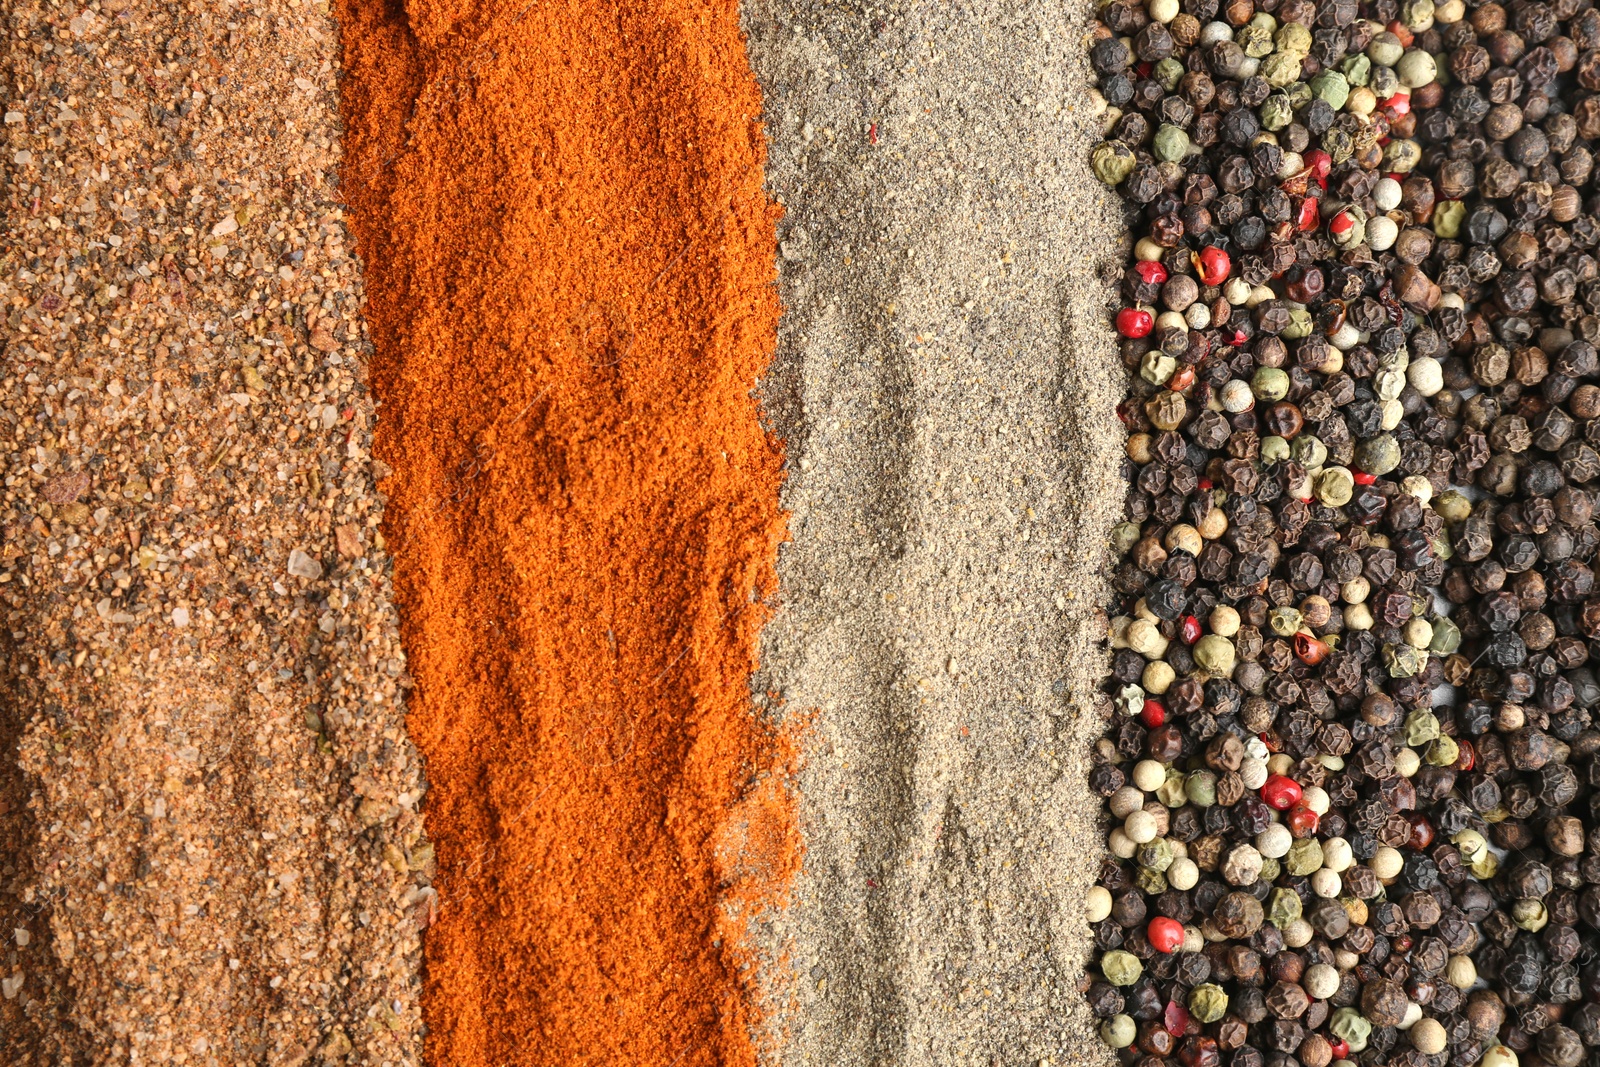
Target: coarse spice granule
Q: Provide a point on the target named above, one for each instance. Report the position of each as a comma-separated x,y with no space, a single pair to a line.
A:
210,852
570,269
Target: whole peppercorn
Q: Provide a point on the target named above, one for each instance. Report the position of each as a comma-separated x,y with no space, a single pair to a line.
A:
1340,348
1383,1003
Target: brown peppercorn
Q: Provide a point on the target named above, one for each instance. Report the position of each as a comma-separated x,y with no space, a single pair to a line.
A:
1155,1039
1238,915
1485,1013
1383,1003
1564,834
1287,1000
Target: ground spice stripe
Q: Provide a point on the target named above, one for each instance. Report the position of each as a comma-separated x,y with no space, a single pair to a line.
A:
570,263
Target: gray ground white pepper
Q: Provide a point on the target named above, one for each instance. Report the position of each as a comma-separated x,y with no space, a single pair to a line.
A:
208,805
945,387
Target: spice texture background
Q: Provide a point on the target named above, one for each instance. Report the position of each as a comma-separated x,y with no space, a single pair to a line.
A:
946,389
210,849
571,264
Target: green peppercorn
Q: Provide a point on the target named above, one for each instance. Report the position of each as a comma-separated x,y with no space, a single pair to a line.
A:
1452,506
1277,112
1201,789
1402,155
1157,367
1349,1025
1154,855
1356,70
1331,88
1403,661
1417,14
1112,161
1207,1002
1274,449
1171,144
1151,882
1339,145
1448,218
1446,636
1378,455
1269,384
1283,907
1282,68
1530,915
1335,486
1171,791
1124,535
1215,655
1120,967
1443,752
1293,37
1422,726
1385,49
1255,39
1308,451
1304,858
1300,325
1286,622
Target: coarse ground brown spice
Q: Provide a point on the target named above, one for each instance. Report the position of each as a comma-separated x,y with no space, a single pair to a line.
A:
210,848
570,273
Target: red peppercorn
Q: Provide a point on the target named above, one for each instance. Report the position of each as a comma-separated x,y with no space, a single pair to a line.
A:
1213,264
1151,271
1135,322
1421,831
1166,935
1340,223
1191,630
1153,714
1200,1051
1467,756
1270,739
1303,821
1182,379
1310,650
1205,483
1177,1019
1237,339
1398,104
1361,477
1309,217
1281,793
1402,943
1402,31
1340,1048
1318,163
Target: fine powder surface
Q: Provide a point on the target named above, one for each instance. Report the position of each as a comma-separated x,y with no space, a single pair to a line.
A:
945,384
570,270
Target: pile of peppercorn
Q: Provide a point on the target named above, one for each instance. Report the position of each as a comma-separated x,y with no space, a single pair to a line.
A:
1351,758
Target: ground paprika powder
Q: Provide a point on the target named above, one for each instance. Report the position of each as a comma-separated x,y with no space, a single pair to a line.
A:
570,270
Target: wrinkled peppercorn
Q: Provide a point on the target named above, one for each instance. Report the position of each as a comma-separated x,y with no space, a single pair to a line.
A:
1363,321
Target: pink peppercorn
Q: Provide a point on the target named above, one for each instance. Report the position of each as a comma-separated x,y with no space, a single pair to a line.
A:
1166,935
1281,793
1135,322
